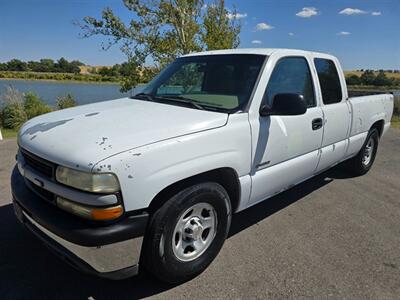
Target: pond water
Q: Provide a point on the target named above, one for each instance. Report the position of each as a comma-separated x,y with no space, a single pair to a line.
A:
83,93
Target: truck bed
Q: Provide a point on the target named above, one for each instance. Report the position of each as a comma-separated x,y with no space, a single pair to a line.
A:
366,110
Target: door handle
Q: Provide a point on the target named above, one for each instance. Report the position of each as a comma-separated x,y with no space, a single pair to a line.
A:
316,123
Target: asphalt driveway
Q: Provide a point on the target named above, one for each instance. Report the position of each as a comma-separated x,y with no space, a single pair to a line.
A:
333,236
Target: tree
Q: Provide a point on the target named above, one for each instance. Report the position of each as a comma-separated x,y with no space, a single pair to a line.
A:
16,65
368,77
46,65
161,30
220,30
381,79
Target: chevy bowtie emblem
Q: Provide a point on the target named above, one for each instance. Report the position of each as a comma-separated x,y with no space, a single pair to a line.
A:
38,182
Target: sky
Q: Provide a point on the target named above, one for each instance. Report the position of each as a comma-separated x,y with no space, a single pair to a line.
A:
362,34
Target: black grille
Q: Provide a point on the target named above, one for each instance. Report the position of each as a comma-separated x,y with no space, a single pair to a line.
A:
44,167
41,192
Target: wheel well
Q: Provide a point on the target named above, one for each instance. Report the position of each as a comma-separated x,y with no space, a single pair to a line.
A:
227,177
379,126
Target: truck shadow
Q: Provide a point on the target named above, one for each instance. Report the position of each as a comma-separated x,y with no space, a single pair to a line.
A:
260,211
29,270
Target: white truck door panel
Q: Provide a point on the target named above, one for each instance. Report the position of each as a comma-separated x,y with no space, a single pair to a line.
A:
336,111
282,138
270,181
286,153
337,123
332,154
336,129
285,148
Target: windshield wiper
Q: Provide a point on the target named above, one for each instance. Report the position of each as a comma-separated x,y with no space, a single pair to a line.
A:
180,99
146,96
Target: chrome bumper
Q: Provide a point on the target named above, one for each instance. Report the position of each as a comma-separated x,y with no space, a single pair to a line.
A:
111,250
103,259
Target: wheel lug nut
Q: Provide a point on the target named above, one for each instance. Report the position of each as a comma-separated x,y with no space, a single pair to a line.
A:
188,230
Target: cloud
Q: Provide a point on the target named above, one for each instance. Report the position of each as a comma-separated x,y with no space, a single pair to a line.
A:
344,33
352,11
263,26
307,12
256,42
291,33
376,13
236,15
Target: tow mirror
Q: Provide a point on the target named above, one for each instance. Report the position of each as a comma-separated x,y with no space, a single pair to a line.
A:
285,105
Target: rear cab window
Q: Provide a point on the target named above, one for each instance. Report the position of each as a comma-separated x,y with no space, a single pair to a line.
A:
329,80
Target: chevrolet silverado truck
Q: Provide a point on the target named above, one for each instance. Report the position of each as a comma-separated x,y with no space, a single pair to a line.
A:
153,179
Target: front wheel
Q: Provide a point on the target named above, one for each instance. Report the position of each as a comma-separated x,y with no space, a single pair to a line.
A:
362,163
187,232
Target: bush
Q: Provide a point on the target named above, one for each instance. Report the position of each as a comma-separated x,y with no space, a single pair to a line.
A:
34,106
12,95
353,80
66,102
368,77
17,108
14,116
381,79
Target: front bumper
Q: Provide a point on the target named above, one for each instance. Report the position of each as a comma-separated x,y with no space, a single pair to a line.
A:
110,251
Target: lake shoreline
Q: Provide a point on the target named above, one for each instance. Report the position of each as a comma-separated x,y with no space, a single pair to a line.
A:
50,91
63,81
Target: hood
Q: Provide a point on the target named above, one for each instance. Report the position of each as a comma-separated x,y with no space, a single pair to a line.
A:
86,134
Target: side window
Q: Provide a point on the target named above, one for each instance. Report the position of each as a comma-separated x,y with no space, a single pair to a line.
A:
329,80
291,75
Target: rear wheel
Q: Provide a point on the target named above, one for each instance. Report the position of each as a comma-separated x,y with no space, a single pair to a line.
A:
187,232
362,163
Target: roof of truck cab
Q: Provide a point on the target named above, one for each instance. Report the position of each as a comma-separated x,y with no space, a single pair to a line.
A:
260,51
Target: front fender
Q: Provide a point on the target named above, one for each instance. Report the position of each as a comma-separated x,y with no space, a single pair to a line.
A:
145,171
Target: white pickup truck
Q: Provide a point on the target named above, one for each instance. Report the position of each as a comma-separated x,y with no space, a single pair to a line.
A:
154,179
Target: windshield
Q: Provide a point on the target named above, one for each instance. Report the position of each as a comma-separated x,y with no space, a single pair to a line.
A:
212,82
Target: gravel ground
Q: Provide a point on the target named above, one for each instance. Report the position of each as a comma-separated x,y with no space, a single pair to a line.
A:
333,236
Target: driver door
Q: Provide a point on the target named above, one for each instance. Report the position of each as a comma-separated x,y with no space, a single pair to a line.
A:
286,147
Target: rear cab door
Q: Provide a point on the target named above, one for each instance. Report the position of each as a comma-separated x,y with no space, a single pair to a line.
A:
335,108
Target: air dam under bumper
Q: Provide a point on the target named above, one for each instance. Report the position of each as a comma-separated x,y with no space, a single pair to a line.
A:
110,251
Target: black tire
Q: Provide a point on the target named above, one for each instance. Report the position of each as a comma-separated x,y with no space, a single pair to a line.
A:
158,255
357,164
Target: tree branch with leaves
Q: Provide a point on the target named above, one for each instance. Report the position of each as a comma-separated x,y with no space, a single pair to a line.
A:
161,30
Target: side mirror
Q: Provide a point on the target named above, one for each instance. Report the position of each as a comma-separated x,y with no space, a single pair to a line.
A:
285,105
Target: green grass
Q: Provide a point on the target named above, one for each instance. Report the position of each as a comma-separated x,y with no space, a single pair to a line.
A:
395,123
9,133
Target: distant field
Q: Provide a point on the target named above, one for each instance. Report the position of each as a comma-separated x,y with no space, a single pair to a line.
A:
358,73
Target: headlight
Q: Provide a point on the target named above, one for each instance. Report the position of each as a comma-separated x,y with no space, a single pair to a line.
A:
96,183
92,213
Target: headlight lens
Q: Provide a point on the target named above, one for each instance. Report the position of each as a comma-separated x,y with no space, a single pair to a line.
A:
92,213
96,183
